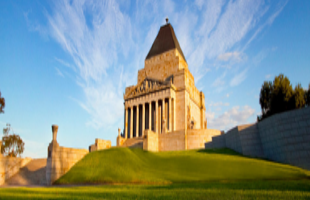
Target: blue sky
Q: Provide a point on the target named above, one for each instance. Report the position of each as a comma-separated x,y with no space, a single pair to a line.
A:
68,62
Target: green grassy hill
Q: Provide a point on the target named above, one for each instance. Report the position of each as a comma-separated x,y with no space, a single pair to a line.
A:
124,165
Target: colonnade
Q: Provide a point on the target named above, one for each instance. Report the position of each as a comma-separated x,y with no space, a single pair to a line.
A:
149,115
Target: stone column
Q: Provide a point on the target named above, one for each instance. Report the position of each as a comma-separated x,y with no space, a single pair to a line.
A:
150,116
143,118
169,114
126,122
174,116
54,130
137,121
131,121
156,117
163,114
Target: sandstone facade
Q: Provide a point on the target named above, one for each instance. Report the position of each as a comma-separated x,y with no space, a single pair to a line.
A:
165,111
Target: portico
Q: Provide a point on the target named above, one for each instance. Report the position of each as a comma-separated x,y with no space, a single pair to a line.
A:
150,107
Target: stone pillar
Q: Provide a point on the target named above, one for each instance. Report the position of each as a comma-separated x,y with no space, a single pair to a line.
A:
163,114
131,121
169,115
126,122
54,130
174,116
150,116
137,121
156,117
143,118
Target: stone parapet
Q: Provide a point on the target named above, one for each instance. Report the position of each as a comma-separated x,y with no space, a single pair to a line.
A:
283,137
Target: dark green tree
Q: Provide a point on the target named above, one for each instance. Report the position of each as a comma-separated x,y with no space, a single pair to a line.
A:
2,104
265,97
281,96
299,97
307,96
12,144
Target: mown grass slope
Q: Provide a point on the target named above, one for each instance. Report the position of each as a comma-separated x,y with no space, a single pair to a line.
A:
124,165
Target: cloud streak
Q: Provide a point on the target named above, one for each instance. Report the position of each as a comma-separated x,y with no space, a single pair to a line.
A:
108,43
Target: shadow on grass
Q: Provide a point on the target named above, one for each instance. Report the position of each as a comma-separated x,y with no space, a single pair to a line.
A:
224,151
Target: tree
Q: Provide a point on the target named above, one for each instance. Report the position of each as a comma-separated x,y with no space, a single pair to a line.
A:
2,104
12,144
299,97
281,96
265,96
307,96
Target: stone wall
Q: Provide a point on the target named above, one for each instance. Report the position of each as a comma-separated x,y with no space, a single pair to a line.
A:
171,141
150,141
60,161
10,166
99,145
284,138
196,138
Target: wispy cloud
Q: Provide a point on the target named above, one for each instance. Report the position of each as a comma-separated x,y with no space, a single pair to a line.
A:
239,78
234,56
95,45
230,118
59,73
107,44
267,76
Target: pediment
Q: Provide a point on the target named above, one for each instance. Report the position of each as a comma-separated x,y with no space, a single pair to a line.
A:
146,86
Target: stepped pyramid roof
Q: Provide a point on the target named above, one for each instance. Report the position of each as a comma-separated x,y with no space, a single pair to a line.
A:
165,40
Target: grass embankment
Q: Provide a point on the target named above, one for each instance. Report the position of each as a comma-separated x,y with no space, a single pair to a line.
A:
280,189
123,165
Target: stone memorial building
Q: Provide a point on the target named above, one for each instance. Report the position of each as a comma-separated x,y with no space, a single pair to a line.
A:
165,111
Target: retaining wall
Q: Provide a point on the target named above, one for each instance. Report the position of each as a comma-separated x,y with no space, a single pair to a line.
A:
60,160
10,166
284,138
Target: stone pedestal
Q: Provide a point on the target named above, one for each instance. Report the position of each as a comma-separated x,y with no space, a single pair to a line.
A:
54,130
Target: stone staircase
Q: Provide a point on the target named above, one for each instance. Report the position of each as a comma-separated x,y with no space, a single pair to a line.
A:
33,174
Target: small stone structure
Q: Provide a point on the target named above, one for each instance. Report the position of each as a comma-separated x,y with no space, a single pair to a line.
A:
284,138
60,159
100,145
165,107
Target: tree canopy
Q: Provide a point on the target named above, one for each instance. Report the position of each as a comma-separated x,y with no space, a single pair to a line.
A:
2,104
12,144
279,96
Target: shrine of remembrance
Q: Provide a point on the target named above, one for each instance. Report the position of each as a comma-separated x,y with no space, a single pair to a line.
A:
165,111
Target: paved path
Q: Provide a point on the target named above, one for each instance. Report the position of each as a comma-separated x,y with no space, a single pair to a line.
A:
33,174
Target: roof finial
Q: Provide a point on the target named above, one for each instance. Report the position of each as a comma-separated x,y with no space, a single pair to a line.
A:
167,20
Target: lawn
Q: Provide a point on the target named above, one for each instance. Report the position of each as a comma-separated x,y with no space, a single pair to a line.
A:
124,165
265,189
197,174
